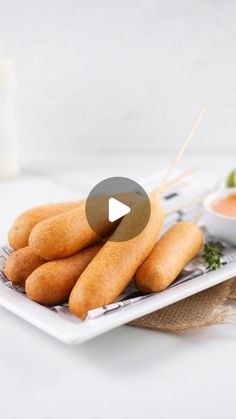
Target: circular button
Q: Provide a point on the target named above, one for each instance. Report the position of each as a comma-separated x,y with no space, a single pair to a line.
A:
111,200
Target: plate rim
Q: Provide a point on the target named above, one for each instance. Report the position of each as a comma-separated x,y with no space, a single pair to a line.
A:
78,331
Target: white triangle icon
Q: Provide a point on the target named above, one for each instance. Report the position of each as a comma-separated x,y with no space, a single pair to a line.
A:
116,209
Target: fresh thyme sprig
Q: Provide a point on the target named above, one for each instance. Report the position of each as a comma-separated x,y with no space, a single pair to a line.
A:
212,254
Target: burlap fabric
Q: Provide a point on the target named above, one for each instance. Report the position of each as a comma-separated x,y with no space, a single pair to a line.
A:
206,308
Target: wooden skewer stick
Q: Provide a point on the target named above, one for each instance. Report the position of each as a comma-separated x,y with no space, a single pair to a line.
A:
188,204
193,201
200,212
197,200
180,177
186,142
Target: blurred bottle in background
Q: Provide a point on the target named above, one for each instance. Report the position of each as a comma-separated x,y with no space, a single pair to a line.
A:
9,157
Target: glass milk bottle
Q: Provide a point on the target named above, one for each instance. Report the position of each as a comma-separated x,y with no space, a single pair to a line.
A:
9,163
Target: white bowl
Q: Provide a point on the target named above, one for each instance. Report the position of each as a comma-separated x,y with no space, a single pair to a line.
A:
219,225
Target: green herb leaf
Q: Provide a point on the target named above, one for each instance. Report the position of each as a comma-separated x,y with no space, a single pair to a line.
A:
212,255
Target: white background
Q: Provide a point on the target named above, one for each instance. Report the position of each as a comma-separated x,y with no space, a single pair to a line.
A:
128,373
128,76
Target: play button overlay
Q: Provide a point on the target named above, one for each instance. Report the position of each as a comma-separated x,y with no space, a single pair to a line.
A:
117,209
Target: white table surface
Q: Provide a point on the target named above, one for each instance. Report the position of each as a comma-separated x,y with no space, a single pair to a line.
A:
127,372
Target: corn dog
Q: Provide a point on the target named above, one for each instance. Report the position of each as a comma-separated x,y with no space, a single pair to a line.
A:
52,282
62,235
21,264
18,235
69,233
178,246
114,266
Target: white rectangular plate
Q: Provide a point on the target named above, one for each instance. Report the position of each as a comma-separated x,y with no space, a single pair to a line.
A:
68,328
76,331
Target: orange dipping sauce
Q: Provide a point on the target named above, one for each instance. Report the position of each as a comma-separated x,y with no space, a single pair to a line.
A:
225,206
